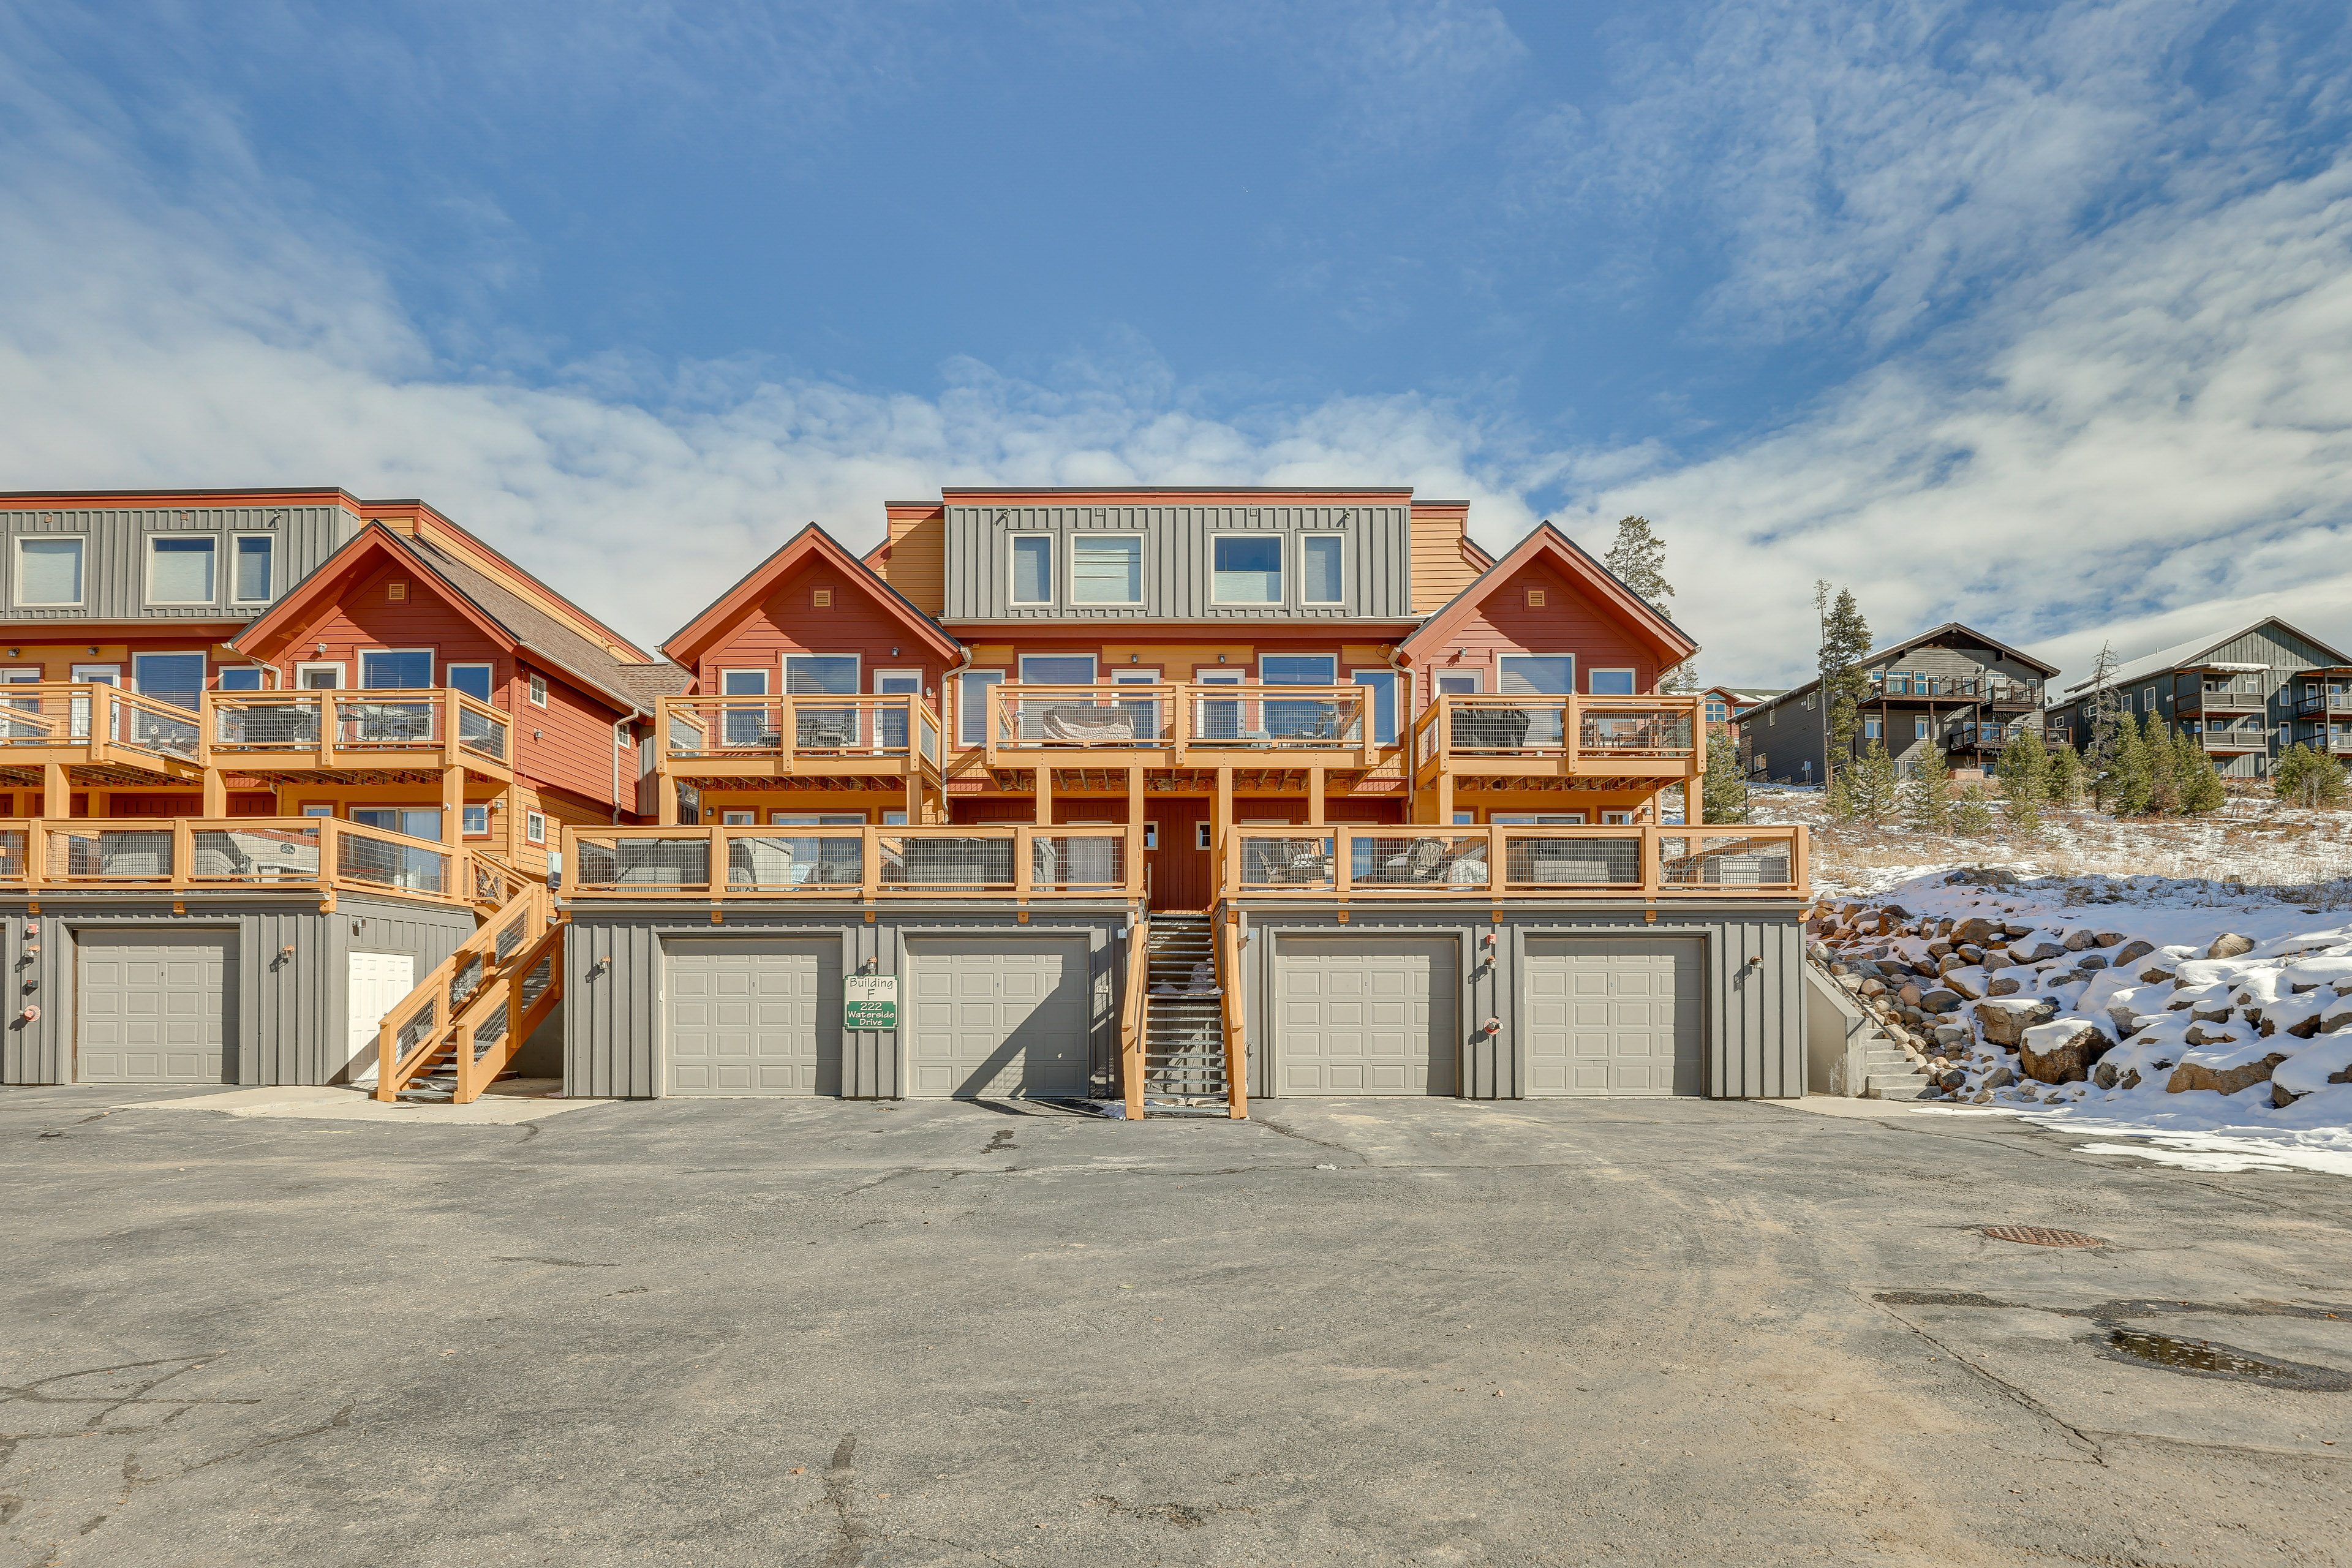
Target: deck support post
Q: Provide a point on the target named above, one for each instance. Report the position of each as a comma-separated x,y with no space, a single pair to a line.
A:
216,803
1135,852
667,808
1044,777
1315,797
57,791
453,807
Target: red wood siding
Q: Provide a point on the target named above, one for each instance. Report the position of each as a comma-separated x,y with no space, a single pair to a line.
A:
1569,622
786,621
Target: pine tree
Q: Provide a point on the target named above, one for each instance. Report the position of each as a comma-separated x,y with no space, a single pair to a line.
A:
1637,558
2163,767
1837,800
2107,720
1723,794
2065,777
1845,641
2024,774
2308,778
2127,776
2200,789
1972,813
1871,793
1928,793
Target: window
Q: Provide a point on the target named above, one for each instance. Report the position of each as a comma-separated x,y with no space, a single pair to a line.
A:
400,819
819,674
180,568
395,668
1919,728
1458,683
816,819
1465,819
1896,682
1617,818
316,810
2147,700
473,679
1872,730
534,827
1771,717
1321,576
1610,682
742,683
1246,569
1032,569
894,819
1107,569
473,821
739,818
1531,819
319,677
252,581
1151,836
1717,713
1296,670
1381,698
175,678
1201,836
537,689
1057,669
240,678
1537,674
972,705
48,572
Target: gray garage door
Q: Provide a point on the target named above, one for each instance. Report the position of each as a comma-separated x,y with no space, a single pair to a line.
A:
996,1016
1613,1016
1365,1014
751,1015
156,1006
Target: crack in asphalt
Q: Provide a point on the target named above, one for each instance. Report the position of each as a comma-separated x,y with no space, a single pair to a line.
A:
557,1262
1273,1126
847,1551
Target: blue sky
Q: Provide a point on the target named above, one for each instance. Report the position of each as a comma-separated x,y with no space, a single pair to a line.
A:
2031,315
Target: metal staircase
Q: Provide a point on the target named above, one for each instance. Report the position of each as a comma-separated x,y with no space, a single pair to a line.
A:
1183,1043
452,1036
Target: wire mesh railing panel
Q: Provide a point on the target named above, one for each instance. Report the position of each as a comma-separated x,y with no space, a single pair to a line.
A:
363,723
1532,862
944,862
360,857
464,980
483,733
1278,724
1287,862
1079,720
510,937
1627,730
254,855
931,738
12,852
1523,724
418,1029
43,720
782,862
106,853
173,734
258,724
1725,862
1426,859
1065,863
651,863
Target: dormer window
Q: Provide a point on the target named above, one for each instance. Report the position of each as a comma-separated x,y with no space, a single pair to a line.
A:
1032,569
1247,569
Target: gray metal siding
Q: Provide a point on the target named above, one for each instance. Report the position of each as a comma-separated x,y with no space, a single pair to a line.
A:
612,985
114,561
1378,572
1754,1012
290,1006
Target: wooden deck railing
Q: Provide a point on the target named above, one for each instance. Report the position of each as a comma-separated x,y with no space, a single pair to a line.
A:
478,1007
1232,1012
1190,721
190,854
1134,1043
326,732
1649,736
1019,862
91,723
1409,862
795,731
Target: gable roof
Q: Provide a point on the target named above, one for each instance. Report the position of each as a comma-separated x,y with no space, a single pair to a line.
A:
2190,652
810,542
1770,698
493,609
1545,542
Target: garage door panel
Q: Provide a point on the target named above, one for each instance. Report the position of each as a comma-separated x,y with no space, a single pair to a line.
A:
1018,1025
1630,1028
155,1006
1365,1015
754,1017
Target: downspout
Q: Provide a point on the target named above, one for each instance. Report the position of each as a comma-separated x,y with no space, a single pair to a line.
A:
1405,718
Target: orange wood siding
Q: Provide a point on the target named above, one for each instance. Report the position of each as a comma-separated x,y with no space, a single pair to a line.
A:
1440,567
1569,622
575,748
916,564
787,621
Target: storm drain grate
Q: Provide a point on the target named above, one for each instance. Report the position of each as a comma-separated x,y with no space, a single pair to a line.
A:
2037,1235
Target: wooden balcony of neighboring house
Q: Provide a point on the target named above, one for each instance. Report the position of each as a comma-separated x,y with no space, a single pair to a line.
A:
1643,741
364,737
2333,701
887,744
59,735
1984,737
1015,864
274,855
2234,739
1181,725
2220,701
1407,864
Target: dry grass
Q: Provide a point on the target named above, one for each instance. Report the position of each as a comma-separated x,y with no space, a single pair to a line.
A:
2253,844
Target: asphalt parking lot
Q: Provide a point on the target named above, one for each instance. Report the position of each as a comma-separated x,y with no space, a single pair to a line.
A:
1343,1332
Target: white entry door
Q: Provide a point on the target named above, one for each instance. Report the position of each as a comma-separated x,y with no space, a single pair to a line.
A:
379,983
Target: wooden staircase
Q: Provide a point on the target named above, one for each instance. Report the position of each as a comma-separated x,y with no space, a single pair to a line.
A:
452,1036
1179,1058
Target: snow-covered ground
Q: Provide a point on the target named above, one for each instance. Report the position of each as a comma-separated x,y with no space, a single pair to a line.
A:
2092,967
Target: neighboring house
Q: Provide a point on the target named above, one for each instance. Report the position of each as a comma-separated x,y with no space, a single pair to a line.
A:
2247,695
1952,689
1187,796
1726,705
274,756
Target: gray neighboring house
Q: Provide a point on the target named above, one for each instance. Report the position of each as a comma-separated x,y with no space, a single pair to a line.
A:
2247,695
1953,688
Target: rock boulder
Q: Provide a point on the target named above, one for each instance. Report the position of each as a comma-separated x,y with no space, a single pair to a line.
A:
2062,1051
2229,944
2005,1021
2190,1075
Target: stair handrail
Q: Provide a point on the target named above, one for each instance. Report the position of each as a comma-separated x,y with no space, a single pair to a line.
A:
1134,1042
476,1070
1228,952
395,1067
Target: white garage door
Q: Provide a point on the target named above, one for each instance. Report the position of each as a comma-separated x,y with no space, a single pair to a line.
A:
156,1006
753,1015
1364,1014
996,1017
1613,1016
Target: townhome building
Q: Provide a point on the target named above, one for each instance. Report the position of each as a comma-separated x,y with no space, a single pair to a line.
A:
1727,705
1952,690
275,757
2246,697
1176,798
